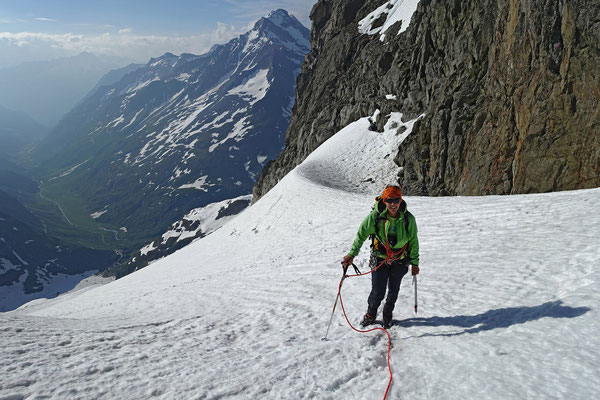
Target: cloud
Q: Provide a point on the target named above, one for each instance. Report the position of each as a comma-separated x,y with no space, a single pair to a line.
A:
45,19
138,48
11,21
27,38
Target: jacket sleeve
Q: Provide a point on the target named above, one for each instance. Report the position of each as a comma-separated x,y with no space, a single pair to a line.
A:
366,228
413,240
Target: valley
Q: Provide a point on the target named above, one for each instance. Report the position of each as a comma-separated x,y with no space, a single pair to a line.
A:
153,144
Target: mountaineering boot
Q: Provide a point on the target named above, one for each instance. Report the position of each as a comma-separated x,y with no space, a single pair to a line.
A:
367,320
387,321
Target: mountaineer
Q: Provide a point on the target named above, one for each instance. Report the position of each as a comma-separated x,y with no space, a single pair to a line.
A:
394,247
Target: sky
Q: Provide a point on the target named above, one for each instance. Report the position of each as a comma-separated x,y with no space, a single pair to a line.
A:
36,30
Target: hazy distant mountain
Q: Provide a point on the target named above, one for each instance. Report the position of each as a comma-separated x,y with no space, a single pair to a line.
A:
179,133
17,130
47,90
115,76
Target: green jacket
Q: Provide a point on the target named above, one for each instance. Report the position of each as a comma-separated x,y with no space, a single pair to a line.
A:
367,227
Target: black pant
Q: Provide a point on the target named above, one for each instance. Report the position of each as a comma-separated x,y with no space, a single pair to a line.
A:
386,275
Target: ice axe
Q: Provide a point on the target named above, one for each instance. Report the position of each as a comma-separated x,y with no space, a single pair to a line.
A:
336,301
415,284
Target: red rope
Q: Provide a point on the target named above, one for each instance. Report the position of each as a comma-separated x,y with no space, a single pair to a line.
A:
369,330
390,256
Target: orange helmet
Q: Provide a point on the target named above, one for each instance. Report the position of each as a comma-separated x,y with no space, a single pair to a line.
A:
391,191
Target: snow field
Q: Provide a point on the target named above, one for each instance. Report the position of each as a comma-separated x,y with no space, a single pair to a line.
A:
508,299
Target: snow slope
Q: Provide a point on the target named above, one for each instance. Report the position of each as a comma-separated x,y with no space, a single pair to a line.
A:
508,302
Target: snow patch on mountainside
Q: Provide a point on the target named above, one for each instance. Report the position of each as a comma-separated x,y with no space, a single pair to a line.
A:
400,129
201,183
209,219
132,119
141,85
6,265
238,132
197,223
254,89
98,214
148,248
69,171
393,11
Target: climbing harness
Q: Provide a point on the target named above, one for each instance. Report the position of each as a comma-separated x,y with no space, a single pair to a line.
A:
375,241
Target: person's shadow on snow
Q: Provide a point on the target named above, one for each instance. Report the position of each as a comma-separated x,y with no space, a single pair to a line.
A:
500,318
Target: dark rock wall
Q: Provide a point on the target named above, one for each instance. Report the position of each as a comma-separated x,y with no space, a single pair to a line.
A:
510,89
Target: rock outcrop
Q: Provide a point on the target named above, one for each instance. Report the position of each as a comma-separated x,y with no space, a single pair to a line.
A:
510,90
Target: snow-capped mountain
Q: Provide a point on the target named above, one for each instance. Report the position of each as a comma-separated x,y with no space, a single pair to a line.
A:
503,311
179,133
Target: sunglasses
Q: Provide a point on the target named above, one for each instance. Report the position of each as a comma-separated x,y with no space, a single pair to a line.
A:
395,200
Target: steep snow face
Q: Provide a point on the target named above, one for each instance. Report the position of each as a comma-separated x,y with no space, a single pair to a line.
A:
508,293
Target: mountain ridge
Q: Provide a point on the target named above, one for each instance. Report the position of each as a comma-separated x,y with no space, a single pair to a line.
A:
182,132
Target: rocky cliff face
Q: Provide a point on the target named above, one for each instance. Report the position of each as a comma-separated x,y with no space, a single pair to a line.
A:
510,90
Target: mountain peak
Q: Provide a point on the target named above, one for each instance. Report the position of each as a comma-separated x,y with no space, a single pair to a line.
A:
278,16
167,59
168,56
281,18
284,28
